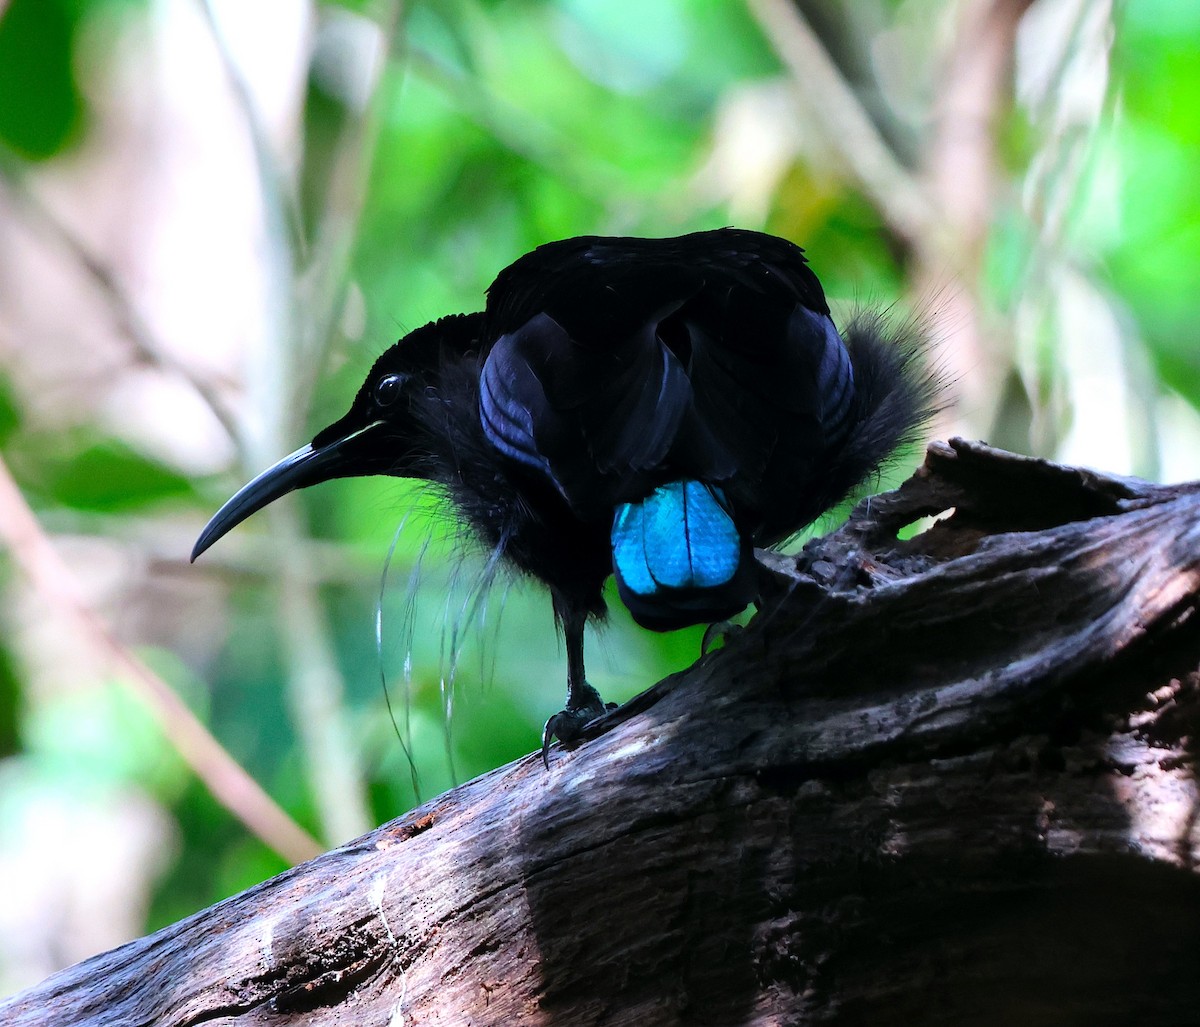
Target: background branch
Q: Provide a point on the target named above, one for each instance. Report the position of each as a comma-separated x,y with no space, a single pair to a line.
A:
225,779
309,283
128,321
847,128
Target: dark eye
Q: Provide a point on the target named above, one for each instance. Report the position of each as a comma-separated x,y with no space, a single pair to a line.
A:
387,389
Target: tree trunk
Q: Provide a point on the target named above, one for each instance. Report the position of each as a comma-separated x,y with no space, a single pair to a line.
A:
939,781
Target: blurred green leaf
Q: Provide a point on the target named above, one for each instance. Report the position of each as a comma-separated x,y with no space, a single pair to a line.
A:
10,704
103,735
1153,256
110,477
10,415
41,109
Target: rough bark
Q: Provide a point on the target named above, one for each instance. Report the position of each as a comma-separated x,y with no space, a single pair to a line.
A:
939,781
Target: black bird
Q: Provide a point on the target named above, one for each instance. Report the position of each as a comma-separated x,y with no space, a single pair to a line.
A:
649,408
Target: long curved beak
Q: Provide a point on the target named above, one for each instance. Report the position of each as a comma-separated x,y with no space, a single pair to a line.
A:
309,465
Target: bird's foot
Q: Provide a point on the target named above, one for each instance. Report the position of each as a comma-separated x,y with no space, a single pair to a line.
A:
567,725
721,632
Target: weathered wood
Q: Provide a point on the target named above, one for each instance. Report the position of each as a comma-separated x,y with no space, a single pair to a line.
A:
941,781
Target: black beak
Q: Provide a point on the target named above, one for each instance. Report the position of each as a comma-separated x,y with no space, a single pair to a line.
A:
309,465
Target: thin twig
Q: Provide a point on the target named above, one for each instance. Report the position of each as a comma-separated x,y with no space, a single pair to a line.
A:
960,174
849,130
316,686
292,361
228,782
274,182
328,268
129,321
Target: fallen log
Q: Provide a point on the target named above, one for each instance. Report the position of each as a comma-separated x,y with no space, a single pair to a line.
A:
941,780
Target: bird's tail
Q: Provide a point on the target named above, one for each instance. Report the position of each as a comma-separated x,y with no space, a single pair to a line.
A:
678,557
896,393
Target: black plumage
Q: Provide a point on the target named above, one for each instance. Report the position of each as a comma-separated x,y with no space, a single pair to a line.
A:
654,406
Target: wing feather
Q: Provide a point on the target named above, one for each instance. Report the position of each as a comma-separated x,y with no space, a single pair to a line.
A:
620,364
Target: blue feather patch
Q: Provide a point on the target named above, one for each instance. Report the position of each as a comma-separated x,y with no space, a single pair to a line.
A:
679,537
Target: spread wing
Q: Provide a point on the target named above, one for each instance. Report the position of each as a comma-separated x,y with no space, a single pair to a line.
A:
619,364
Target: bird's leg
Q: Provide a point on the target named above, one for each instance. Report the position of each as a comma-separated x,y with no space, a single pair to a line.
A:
583,701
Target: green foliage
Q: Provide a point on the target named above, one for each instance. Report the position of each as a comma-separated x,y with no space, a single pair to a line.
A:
10,705
41,109
101,738
107,476
215,859
1154,246
10,415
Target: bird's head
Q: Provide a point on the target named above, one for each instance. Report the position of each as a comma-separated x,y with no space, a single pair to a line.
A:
381,433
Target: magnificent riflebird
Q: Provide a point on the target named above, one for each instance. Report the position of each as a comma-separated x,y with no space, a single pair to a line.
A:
652,409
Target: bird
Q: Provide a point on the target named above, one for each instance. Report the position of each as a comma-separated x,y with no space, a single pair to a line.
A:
650,409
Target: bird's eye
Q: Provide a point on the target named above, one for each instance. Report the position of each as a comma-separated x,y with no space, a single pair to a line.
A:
387,389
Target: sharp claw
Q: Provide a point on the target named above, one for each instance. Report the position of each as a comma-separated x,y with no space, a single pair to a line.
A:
547,737
568,724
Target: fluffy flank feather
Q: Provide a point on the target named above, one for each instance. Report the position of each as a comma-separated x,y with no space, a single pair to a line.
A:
898,392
